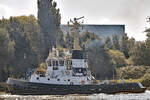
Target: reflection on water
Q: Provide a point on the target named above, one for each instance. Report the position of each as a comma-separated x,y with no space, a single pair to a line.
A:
142,96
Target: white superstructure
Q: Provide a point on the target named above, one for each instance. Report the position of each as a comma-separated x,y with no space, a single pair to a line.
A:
63,70
64,67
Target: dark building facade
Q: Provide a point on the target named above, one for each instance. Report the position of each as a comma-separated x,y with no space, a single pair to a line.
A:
101,30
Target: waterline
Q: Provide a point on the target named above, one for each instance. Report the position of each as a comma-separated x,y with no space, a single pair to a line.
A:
141,96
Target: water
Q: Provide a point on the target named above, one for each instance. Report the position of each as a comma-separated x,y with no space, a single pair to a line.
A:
142,96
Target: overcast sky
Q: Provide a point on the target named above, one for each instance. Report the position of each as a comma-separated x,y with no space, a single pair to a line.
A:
132,13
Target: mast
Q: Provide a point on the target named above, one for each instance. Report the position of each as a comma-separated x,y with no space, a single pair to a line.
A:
75,27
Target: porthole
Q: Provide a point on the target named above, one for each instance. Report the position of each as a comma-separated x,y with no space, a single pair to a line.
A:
68,79
58,79
48,79
37,78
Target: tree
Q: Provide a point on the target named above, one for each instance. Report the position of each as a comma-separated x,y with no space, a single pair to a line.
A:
131,43
116,44
140,54
28,43
69,40
6,53
108,43
125,45
148,38
49,22
118,59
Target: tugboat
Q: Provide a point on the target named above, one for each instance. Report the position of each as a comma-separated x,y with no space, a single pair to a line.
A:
67,73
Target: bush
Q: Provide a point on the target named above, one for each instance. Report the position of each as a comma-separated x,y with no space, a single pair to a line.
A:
145,80
3,87
117,58
132,72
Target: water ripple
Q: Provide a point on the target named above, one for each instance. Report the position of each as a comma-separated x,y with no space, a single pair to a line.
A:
142,96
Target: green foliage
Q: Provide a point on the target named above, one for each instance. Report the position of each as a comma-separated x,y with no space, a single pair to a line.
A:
116,43
21,45
25,44
117,58
6,53
108,43
131,44
24,31
69,40
140,54
3,87
145,80
140,51
125,45
148,40
49,23
132,72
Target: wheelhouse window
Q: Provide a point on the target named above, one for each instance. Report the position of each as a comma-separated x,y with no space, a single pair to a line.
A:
61,62
54,63
79,70
69,64
49,62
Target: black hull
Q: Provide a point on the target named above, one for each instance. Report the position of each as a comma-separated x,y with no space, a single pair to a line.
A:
27,88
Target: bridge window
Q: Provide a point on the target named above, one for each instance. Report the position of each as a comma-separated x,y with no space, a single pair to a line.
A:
61,62
49,63
54,63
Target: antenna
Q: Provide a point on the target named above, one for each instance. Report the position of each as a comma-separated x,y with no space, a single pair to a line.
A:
75,19
82,24
75,27
68,24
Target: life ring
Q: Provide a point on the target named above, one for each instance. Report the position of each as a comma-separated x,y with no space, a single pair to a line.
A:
67,72
83,82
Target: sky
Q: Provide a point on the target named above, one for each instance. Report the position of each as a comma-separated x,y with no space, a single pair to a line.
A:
132,13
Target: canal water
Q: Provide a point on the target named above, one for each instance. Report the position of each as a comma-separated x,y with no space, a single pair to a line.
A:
141,96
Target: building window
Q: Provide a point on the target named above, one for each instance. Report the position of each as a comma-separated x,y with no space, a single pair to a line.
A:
37,78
